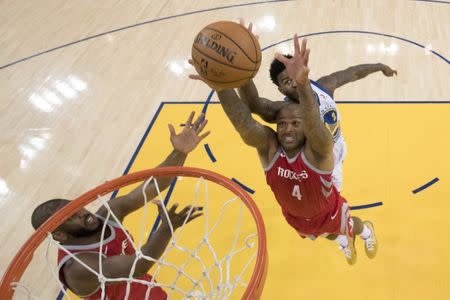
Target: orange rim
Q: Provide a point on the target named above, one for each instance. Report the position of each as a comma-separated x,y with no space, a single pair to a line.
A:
24,256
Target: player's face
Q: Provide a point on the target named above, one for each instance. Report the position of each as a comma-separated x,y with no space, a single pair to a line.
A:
287,86
289,129
83,223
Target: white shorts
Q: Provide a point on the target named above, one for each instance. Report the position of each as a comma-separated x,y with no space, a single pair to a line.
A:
339,152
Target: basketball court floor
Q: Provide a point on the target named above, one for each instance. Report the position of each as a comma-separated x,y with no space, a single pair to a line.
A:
87,90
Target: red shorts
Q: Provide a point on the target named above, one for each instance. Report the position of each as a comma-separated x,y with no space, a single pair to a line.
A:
336,221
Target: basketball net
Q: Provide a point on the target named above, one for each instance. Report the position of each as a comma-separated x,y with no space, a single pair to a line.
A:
216,276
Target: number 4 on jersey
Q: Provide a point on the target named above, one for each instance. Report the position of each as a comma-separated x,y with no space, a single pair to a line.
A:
296,192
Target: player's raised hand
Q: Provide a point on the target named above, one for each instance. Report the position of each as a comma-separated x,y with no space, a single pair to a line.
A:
387,71
297,66
177,219
189,137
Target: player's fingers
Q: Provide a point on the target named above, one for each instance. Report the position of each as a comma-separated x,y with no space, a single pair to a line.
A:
201,126
196,77
204,135
241,21
303,49
172,130
199,120
173,208
296,46
281,58
190,118
306,57
185,210
194,216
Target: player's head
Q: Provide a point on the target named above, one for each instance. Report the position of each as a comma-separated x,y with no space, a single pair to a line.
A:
290,132
280,77
82,223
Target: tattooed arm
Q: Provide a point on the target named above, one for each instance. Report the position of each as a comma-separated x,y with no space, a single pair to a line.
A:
254,134
263,107
339,78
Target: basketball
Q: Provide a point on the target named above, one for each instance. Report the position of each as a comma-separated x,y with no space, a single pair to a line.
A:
226,54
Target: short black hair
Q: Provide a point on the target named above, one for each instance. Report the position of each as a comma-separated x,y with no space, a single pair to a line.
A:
286,105
276,67
45,210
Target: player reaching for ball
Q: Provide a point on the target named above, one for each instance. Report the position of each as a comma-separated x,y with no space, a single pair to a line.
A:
82,234
323,89
298,161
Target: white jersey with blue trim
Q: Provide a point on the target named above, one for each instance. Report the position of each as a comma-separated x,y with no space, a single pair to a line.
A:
329,112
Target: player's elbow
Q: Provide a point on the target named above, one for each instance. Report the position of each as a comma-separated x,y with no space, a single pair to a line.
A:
247,138
248,135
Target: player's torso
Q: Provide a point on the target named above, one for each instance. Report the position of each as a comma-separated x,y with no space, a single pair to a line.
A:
301,190
117,243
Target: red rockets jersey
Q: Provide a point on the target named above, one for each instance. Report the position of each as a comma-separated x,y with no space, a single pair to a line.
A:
303,191
116,244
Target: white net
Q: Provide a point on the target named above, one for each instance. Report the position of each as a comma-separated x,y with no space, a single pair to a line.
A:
210,258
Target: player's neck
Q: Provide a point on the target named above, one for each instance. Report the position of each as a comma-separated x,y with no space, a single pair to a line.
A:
291,153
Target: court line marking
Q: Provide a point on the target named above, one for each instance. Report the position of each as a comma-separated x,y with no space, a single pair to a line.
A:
186,14
361,32
210,154
136,25
435,1
426,185
356,207
249,190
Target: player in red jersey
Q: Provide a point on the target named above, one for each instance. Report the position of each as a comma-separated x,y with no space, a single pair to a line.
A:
298,161
81,233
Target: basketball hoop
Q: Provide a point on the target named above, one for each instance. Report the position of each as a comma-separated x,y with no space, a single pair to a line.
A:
24,256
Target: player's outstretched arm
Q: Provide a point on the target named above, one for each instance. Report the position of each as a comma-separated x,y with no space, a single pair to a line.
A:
319,142
83,282
254,134
248,92
263,107
183,143
339,78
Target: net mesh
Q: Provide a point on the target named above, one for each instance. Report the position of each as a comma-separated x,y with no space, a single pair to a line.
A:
210,258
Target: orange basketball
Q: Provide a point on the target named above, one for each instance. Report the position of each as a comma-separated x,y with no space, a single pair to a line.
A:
226,54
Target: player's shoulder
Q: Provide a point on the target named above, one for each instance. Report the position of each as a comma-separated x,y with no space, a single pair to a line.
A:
75,267
318,87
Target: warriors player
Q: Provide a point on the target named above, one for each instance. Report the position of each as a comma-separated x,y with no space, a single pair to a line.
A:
298,161
81,233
